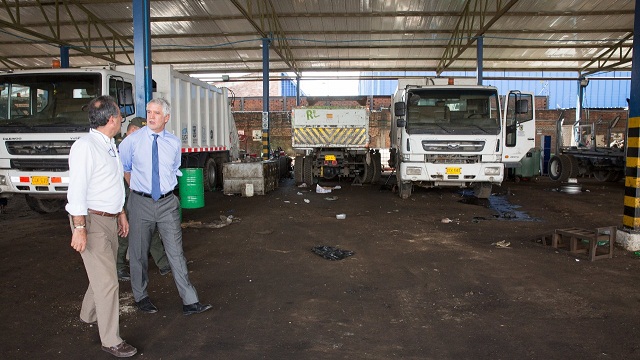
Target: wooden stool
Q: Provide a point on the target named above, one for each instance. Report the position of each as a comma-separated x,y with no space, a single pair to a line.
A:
577,235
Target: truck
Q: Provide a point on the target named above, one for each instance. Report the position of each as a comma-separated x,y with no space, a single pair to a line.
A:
332,143
606,162
42,112
453,132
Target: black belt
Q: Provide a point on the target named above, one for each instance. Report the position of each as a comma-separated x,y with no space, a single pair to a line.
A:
149,195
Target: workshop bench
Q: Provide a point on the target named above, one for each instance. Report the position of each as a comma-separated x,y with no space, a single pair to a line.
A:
593,243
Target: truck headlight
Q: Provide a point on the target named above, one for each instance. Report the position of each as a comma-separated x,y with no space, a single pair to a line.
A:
414,170
492,171
3,180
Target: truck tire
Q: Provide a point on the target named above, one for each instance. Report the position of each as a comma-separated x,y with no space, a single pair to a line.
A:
297,170
559,168
404,189
307,172
601,175
210,175
376,160
44,206
482,190
574,168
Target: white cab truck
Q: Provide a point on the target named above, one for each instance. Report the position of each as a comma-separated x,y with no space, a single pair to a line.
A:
333,142
452,132
42,112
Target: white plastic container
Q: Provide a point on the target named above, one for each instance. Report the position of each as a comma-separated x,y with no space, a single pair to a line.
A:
247,190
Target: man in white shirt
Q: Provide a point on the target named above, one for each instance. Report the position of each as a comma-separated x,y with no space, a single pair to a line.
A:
95,206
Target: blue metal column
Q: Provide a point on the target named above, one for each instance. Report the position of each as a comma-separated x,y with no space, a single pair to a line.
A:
631,218
298,90
142,55
479,56
265,98
64,57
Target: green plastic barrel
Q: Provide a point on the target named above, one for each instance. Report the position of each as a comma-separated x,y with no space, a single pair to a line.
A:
191,189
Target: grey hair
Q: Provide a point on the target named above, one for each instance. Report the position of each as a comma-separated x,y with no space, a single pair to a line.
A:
166,107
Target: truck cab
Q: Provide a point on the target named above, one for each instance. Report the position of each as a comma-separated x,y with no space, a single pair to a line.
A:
42,112
453,133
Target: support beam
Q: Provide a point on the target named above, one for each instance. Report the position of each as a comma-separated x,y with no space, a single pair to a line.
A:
142,55
630,236
265,98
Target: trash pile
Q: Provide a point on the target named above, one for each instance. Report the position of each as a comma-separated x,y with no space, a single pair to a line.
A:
331,253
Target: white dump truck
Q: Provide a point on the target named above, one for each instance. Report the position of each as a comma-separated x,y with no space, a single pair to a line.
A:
452,132
333,142
42,112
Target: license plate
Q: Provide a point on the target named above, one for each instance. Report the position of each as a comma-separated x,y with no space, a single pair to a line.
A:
454,171
39,180
329,157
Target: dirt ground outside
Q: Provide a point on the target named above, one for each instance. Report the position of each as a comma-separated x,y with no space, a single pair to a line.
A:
416,288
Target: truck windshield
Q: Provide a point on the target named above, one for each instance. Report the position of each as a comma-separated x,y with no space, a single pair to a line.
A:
40,102
453,111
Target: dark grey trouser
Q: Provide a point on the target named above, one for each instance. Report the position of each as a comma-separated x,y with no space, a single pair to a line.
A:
144,215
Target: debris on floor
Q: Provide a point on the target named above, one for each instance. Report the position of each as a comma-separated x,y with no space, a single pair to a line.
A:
331,198
224,221
331,253
503,244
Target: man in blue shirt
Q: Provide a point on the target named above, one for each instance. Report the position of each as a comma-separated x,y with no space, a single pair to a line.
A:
151,159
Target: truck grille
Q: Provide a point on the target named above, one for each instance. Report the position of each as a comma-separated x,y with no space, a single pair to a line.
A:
39,147
452,159
449,146
40,164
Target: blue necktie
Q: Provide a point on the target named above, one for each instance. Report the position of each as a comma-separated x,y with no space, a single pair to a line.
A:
155,170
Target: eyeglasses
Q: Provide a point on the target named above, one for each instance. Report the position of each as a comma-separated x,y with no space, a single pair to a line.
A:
112,152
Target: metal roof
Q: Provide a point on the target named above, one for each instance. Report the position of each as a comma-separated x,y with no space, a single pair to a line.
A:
225,36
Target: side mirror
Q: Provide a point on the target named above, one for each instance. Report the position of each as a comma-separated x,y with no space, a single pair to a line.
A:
401,123
399,108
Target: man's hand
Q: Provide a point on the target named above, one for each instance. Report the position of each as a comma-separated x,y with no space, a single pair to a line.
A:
79,240
123,225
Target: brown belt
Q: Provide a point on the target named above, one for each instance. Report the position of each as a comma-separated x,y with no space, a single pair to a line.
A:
102,213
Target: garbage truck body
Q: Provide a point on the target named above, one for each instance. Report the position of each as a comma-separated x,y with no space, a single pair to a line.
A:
333,142
452,132
42,112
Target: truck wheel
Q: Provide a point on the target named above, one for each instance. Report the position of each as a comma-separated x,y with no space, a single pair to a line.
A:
44,206
559,168
209,175
307,172
574,169
404,189
601,175
376,160
297,170
482,190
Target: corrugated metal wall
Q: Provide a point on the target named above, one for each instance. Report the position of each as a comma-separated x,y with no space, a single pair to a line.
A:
610,92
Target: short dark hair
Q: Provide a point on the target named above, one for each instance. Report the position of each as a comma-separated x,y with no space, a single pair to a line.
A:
101,109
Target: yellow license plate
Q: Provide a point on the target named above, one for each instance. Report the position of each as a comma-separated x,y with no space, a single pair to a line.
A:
453,171
329,157
39,180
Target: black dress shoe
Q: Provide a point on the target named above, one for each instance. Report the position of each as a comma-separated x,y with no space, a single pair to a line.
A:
121,350
195,308
123,275
145,305
165,270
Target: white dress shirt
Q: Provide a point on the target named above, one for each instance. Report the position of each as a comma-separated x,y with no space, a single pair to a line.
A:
95,175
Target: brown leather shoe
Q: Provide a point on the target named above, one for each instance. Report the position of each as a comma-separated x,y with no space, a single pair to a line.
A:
121,350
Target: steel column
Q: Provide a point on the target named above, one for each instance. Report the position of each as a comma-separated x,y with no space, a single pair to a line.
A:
265,98
64,57
480,56
631,218
142,55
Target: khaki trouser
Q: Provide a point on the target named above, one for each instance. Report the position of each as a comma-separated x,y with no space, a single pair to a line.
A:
101,301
